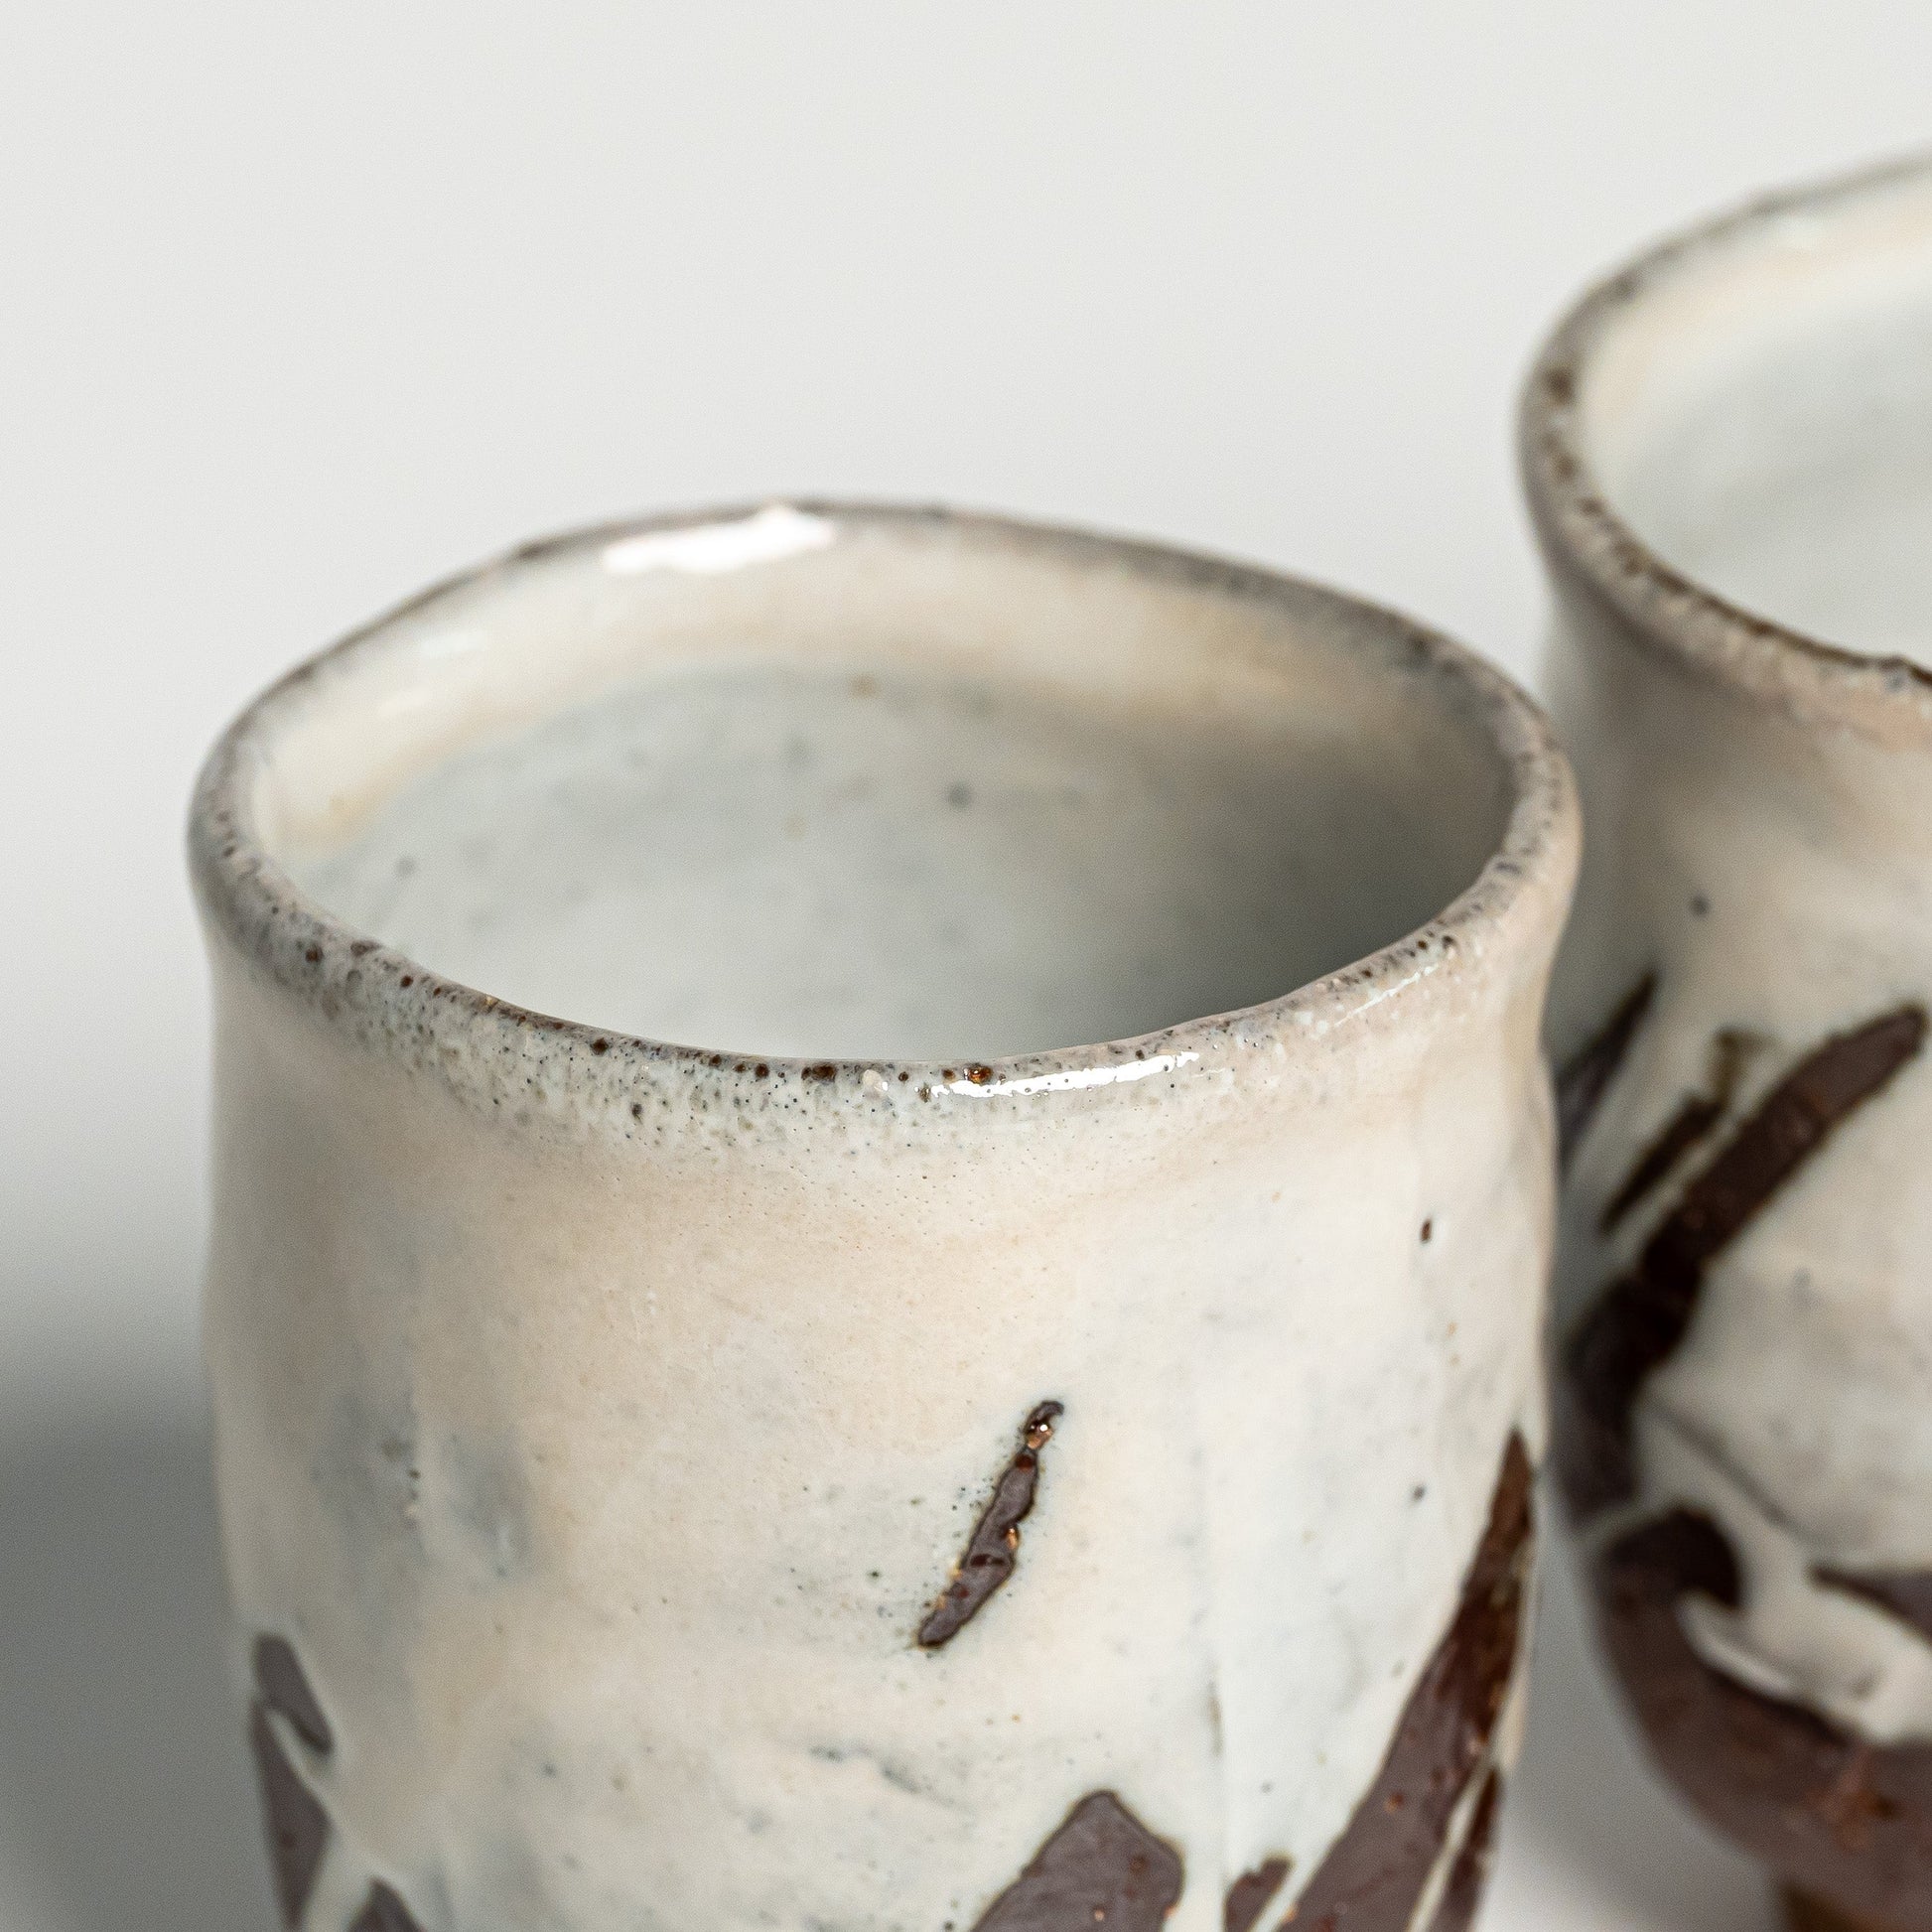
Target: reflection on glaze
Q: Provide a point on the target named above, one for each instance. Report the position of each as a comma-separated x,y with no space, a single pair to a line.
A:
764,536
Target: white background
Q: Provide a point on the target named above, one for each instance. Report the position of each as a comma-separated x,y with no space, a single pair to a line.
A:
303,306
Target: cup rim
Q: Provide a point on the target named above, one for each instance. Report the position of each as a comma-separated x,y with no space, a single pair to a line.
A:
1886,696
485,1046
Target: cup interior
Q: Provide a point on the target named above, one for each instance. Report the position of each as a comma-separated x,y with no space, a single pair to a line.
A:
878,784
1757,408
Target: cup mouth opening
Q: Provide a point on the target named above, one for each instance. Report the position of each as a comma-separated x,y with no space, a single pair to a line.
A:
1587,536
354,980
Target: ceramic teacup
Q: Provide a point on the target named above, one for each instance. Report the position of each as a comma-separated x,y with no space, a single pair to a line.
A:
1024,1418
1729,450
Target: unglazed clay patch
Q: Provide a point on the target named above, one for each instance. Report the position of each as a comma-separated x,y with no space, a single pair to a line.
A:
1470,1873
1375,1875
1641,1319
383,1911
1833,1814
1248,1896
995,1543
283,1685
292,1818
1101,1867
1586,1077
1696,1115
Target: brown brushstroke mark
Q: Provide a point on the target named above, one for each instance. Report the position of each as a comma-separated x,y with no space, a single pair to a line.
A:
1903,1593
294,1821
1471,1872
1374,1875
1637,1323
383,1911
1101,1868
1248,1896
283,1685
1586,1077
1686,1129
1845,1821
993,1549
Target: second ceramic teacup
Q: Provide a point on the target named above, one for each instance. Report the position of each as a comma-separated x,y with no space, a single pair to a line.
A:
1729,449
1023,1420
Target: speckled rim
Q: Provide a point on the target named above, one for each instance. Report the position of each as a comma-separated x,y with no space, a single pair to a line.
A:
1888,697
1510,911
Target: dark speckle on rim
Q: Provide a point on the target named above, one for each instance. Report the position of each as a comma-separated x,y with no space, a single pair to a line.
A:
600,1046
1889,698
491,1053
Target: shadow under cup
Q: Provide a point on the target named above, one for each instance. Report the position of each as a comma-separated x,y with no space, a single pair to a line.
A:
1729,450
1027,1416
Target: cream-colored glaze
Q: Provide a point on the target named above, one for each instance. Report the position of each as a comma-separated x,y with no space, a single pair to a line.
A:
598,1418
1760,834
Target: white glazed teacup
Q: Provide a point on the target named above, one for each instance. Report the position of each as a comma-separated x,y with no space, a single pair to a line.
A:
1729,449
1026,1419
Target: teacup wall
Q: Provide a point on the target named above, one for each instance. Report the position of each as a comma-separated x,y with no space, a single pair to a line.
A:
1024,1418
1728,454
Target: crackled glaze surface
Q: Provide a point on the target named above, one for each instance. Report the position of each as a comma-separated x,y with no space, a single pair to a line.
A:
1726,447
677,1484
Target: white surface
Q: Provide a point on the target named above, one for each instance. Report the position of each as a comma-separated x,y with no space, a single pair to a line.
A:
302,307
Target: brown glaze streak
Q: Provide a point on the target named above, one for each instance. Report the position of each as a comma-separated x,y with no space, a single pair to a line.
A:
1638,1322
992,1552
1804,1915
1586,1077
1376,1873
383,1911
1903,1593
1682,1132
1471,1872
1248,1896
283,1685
1101,1868
1841,1820
296,1824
